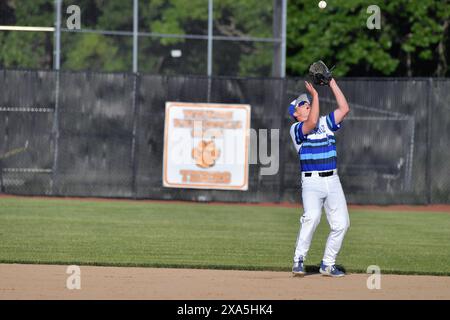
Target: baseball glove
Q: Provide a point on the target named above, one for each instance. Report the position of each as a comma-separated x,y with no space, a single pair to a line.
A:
320,74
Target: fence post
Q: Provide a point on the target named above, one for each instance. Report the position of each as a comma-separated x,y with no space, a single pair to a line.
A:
282,148
56,66
134,145
210,48
429,140
135,35
55,135
283,39
57,36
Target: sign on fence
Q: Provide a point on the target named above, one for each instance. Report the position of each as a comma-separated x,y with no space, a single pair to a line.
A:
206,146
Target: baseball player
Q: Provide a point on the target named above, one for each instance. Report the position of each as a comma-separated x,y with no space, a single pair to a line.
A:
315,142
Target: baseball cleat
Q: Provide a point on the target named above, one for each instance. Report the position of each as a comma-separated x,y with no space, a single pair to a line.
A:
298,269
330,271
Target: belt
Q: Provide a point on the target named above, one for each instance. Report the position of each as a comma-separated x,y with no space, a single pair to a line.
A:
320,174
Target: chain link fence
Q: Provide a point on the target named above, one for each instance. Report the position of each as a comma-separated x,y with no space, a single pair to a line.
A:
101,134
197,37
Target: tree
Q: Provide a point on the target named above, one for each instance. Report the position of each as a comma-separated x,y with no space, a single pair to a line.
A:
26,49
93,51
412,41
231,18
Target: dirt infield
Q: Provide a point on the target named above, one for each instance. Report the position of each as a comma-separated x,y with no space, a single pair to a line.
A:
19,281
42,282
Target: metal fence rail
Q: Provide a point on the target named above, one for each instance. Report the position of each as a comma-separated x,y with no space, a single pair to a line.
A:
101,134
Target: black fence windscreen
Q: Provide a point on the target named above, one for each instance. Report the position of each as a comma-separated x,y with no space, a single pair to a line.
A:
102,134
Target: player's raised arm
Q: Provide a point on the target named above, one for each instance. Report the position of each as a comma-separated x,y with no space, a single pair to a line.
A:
343,108
310,123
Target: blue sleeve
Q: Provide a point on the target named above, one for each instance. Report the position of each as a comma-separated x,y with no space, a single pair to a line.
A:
332,125
299,136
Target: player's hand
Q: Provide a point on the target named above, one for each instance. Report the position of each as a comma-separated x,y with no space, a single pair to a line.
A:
311,89
333,83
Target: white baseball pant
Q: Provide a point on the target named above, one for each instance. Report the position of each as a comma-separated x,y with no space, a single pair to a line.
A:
327,192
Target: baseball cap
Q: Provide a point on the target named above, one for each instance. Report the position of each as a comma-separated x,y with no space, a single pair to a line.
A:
303,97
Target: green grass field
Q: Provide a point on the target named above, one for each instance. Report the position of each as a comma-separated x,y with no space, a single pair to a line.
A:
127,233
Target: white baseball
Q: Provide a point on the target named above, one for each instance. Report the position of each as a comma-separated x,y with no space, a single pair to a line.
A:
322,4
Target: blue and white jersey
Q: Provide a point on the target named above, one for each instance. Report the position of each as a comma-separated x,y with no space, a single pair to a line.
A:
316,150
